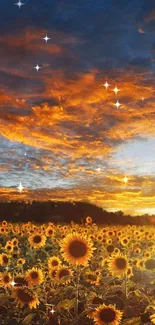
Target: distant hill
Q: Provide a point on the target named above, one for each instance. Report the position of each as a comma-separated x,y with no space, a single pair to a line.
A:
65,212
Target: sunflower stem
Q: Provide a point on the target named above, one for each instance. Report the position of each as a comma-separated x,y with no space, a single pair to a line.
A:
77,292
126,293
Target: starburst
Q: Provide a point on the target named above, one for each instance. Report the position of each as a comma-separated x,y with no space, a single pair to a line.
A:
46,38
117,104
37,67
106,85
20,187
19,4
52,311
125,179
116,90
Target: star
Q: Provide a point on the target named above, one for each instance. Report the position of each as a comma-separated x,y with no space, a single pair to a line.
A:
13,283
19,4
106,85
46,38
37,67
98,169
116,90
20,187
52,311
125,179
117,104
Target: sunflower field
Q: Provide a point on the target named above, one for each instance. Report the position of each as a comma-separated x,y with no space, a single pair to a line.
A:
76,274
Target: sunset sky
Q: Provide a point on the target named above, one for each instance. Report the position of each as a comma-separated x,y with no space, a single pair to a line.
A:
61,135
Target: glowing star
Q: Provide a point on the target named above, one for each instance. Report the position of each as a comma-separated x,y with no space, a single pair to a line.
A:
20,187
106,85
19,4
46,38
125,179
116,90
37,67
98,169
117,104
52,310
13,283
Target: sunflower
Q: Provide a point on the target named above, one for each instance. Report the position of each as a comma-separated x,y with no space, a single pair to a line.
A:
54,262
64,273
52,273
34,277
107,315
14,242
124,241
9,247
5,279
49,231
37,240
95,300
20,281
147,254
109,241
118,265
150,264
20,262
129,272
110,249
25,296
4,223
141,264
88,220
4,259
91,278
152,317
77,250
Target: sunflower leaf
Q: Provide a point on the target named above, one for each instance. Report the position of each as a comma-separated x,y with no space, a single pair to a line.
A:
132,321
28,319
66,304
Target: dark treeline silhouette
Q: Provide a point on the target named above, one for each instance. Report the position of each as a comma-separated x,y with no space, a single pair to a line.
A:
65,212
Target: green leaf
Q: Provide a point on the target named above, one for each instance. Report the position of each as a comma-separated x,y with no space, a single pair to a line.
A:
132,321
27,320
66,304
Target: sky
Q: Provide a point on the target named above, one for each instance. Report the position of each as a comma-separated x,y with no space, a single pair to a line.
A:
62,136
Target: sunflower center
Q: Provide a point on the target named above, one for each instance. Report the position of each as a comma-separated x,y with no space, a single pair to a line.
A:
110,248
6,279
19,281
107,315
63,272
121,263
34,275
54,263
77,249
5,259
150,264
24,296
37,239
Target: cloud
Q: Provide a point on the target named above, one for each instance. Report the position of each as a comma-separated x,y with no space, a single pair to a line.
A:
62,117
